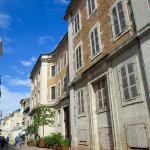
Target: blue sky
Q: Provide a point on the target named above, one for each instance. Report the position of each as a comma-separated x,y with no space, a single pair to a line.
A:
28,28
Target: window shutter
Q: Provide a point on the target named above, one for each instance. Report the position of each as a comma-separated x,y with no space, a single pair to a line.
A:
121,15
115,20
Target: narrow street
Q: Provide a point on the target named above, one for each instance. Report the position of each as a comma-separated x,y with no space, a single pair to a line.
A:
23,148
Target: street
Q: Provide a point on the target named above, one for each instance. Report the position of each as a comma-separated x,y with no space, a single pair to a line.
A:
24,147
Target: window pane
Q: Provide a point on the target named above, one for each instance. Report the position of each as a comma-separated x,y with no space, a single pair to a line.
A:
53,92
80,57
123,71
96,40
134,91
53,69
132,79
89,7
93,43
93,5
99,96
124,82
126,94
116,23
130,68
121,15
78,23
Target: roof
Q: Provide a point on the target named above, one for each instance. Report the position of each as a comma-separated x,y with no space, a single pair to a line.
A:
68,9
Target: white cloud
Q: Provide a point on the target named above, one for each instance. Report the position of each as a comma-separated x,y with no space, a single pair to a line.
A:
62,1
5,21
28,63
20,82
16,81
10,100
45,39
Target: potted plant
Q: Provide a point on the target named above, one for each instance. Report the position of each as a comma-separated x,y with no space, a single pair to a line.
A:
65,144
41,143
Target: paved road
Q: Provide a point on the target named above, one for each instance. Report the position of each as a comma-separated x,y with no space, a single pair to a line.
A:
23,148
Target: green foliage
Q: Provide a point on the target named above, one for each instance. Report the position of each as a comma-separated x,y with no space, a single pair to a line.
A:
44,116
37,142
32,129
31,142
65,142
56,139
47,140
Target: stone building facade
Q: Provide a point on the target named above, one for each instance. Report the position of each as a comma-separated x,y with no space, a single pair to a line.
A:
107,84
50,87
105,58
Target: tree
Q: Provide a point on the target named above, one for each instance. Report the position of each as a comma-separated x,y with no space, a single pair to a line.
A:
44,116
32,129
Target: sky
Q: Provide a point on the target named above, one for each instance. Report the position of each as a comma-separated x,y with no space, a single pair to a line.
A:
28,28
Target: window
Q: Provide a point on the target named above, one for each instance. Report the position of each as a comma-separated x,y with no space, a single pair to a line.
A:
80,100
53,71
53,92
95,41
65,59
78,57
59,89
102,94
148,3
65,83
128,81
59,65
76,23
91,6
119,18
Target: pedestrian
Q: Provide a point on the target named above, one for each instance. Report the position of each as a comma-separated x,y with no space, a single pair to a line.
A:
17,143
7,142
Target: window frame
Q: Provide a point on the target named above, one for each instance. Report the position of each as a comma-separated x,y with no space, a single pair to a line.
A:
148,1
82,113
59,65
87,3
97,83
51,92
126,15
80,25
97,25
82,61
66,84
132,100
51,70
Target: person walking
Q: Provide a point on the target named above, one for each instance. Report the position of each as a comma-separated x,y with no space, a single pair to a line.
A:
17,143
7,142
